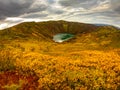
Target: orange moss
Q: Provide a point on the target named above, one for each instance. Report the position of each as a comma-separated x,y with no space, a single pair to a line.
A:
23,82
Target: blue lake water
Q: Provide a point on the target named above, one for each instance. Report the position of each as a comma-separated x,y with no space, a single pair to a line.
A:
61,37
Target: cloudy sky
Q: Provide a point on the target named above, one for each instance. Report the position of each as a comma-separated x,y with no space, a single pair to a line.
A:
88,11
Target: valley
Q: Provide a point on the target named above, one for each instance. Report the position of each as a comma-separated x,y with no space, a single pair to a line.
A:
31,60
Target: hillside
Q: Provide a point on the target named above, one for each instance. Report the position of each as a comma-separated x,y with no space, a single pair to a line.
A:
46,29
31,60
88,34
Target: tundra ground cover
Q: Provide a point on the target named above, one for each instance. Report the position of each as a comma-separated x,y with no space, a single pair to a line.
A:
88,69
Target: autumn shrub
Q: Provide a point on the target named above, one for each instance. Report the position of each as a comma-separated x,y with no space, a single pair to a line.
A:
7,60
81,70
89,70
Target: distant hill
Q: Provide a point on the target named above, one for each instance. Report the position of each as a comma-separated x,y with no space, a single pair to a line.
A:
106,25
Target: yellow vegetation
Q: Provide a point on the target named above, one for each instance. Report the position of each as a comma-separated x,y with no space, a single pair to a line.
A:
88,69
89,61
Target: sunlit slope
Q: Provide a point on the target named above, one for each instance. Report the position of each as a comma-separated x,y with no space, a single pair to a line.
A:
87,36
46,29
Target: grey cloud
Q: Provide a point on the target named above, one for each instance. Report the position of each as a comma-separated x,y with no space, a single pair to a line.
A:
61,9
51,1
55,11
59,12
79,3
117,9
2,17
11,8
115,5
71,2
35,16
39,8
107,14
15,8
90,4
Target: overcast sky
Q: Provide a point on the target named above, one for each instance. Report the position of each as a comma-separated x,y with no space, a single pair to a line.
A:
87,11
